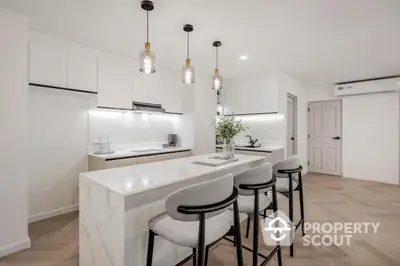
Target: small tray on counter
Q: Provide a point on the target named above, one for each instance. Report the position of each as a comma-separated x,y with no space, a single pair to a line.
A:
214,161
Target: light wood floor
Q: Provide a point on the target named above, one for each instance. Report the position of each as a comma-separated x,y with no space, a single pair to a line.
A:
327,198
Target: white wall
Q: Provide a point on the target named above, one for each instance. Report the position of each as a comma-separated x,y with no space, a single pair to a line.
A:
13,133
289,85
371,137
199,107
58,123
320,93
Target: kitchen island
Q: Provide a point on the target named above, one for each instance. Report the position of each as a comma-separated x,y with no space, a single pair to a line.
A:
116,204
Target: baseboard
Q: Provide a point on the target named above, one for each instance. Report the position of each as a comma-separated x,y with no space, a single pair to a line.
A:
7,250
53,213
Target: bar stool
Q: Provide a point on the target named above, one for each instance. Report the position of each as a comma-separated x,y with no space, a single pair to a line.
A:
197,216
252,199
289,179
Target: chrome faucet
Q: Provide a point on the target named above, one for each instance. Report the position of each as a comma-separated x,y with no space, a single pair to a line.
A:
251,141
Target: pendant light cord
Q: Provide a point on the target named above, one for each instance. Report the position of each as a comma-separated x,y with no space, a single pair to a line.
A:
188,45
147,26
216,55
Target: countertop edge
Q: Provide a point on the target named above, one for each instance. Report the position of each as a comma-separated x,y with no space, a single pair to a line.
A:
115,156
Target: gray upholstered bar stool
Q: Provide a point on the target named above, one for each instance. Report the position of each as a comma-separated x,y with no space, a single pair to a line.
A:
252,199
197,216
289,179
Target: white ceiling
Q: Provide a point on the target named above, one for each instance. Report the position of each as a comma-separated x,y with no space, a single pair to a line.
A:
315,41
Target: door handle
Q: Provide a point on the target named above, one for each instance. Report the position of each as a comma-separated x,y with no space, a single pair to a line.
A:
292,138
336,137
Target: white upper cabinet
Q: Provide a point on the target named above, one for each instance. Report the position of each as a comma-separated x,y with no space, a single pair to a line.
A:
82,69
48,63
163,87
250,95
115,82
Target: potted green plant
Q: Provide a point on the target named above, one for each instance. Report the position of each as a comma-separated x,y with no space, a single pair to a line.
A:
227,127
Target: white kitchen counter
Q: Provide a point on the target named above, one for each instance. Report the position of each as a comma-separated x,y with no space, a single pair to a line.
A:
263,148
128,153
116,204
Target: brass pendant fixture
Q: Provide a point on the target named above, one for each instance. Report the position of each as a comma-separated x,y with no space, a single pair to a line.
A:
217,78
188,69
147,57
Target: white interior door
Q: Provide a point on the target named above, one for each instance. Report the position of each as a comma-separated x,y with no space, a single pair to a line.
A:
325,143
291,115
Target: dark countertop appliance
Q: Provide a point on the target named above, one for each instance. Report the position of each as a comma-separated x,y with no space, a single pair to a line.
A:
172,139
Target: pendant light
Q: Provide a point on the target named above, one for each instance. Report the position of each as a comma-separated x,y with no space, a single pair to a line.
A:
188,70
217,78
147,58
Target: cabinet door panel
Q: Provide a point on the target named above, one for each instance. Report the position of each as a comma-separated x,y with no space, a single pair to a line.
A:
121,163
115,82
163,157
48,64
82,70
266,155
146,159
163,88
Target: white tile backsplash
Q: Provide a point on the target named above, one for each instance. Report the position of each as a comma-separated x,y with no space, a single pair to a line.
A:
266,128
130,127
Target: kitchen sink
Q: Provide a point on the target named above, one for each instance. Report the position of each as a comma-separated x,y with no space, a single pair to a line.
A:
246,146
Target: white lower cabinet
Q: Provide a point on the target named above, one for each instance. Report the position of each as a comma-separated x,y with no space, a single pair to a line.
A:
121,163
97,163
163,157
146,159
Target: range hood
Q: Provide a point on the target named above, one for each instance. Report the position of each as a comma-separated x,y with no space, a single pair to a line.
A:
147,107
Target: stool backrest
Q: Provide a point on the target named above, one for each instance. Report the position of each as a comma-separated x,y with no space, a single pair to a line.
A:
290,163
206,193
258,175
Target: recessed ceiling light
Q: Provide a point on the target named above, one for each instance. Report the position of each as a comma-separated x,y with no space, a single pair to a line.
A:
244,57
398,82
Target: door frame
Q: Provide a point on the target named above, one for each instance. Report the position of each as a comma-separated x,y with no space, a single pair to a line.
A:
294,99
341,131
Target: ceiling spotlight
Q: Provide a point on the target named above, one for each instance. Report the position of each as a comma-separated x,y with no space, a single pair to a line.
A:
243,57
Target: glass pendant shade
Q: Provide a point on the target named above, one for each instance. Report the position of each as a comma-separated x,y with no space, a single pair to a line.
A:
217,80
147,60
188,73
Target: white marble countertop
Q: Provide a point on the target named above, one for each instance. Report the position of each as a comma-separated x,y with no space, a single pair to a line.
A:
139,178
262,148
128,153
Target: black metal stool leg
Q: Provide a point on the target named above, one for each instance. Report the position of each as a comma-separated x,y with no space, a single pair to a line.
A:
206,255
291,214
238,235
201,243
301,202
275,206
150,247
248,227
256,227
194,257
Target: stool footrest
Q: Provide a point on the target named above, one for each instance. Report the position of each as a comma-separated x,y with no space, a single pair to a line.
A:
185,260
266,258
299,223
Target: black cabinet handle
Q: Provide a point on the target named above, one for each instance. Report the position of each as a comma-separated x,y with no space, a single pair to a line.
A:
292,138
336,137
